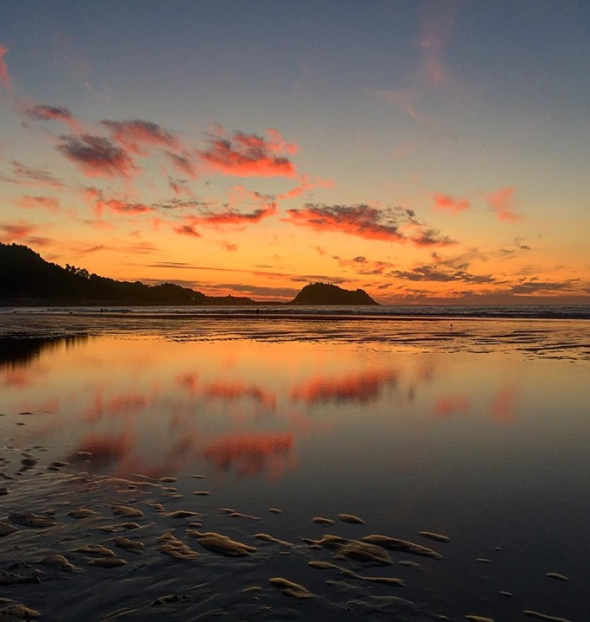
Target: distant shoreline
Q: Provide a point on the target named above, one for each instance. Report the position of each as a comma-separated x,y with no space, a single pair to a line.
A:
287,311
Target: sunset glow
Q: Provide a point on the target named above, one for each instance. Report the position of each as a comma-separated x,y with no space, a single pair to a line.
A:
426,152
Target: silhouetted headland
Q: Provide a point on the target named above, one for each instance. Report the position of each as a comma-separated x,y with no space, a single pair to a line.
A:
326,294
26,279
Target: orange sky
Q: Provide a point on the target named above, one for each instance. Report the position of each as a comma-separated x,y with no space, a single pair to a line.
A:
240,152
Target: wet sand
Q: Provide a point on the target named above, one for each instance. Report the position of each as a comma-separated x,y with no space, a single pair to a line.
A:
77,543
566,339
76,546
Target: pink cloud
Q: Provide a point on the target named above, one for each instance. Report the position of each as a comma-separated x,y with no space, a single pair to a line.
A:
360,220
96,156
48,203
502,202
4,75
445,202
393,224
249,155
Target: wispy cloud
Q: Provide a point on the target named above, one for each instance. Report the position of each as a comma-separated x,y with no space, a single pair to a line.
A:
124,247
183,163
435,274
4,75
44,112
179,186
362,265
306,184
436,25
502,203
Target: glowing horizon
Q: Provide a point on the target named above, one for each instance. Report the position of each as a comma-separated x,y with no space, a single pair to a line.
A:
428,152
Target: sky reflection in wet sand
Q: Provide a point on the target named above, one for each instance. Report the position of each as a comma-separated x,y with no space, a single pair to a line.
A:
488,447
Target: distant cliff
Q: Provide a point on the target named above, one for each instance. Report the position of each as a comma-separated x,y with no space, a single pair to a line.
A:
326,294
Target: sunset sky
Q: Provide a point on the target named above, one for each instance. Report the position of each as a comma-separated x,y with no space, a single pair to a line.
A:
425,151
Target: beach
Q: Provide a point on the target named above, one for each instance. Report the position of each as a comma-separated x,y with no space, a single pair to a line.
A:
276,468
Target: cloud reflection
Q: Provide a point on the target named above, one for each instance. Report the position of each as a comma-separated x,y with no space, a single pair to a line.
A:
251,455
363,387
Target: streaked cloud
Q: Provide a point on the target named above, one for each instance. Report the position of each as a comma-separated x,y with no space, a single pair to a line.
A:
48,203
29,176
114,206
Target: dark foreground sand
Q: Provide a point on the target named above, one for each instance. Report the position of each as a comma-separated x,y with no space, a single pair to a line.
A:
75,546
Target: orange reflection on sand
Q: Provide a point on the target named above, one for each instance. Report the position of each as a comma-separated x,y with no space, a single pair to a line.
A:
250,455
502,408
237,390
106,449
450,405
15,378
361,387
189,382
124,404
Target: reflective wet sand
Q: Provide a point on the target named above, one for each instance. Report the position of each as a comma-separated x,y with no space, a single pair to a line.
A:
479,437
